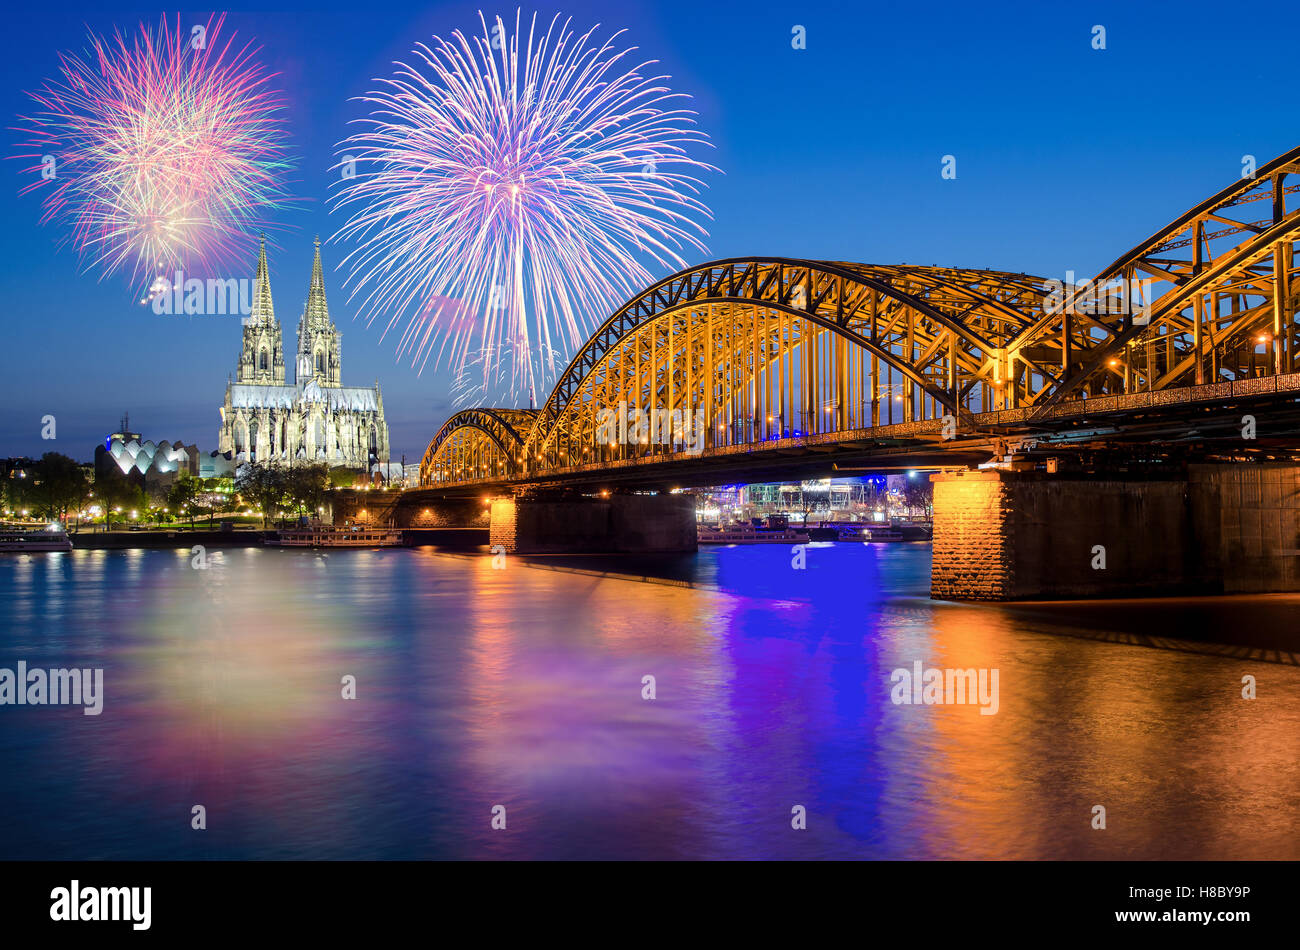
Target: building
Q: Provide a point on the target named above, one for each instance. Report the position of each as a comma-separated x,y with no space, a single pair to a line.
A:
153,466
315,418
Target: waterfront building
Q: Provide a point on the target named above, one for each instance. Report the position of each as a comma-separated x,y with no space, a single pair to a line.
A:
151,465
315,418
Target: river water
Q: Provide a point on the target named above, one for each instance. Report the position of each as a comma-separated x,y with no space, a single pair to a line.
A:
482,684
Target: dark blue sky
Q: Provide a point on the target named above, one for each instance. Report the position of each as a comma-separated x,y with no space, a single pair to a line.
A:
1066,157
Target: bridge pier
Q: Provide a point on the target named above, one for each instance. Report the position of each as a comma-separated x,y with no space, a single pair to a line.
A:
617,524
410,509
1006,535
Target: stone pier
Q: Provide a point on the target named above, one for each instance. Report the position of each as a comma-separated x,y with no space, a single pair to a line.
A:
618,524
409,509
1005,535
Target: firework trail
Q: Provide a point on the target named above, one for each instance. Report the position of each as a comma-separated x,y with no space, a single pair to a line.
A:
487,375
158,153
513,190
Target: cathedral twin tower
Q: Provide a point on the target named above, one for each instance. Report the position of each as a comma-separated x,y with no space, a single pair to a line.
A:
316,418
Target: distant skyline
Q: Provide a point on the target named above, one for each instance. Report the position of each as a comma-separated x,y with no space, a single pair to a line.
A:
1066,156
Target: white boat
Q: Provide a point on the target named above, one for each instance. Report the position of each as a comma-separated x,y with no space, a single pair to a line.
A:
749,535
43,539
338,536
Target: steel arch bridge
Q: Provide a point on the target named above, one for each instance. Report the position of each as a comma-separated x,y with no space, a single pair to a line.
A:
743,353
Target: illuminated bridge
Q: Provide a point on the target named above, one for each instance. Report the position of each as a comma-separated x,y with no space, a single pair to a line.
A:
1185,354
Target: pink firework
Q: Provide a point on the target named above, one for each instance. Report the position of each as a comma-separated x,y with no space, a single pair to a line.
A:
531,174
160,153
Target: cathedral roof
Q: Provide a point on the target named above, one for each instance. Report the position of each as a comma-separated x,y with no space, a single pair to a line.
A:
305,395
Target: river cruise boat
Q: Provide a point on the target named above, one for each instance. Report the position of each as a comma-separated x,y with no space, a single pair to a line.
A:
747,534
19,541
870,532
338,536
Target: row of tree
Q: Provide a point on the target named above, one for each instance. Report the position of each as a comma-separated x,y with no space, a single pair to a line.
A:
55,485
48,488
299,490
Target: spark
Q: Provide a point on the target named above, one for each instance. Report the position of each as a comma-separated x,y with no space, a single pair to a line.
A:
508,191
159,152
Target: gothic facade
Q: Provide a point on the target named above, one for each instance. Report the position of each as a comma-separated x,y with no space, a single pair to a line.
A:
315,418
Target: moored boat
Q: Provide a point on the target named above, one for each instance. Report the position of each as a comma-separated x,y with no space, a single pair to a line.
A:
338,536
744,534
44,539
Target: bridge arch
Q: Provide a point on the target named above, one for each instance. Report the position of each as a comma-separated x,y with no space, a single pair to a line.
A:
834,328
477,443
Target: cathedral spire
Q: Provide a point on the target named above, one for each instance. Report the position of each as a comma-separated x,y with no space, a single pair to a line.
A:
317,310
263,309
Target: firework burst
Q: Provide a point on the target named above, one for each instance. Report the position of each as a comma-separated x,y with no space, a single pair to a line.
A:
160,152
509,190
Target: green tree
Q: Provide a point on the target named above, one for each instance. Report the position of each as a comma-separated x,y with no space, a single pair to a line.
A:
16,489
182,495
221,496
307,485
207,497
57,484
264,485
114,491
345,477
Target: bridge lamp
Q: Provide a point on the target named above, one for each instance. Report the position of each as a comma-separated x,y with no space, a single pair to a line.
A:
1262,338
1112,363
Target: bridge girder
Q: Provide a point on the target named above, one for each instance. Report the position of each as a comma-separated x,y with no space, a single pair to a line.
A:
748,350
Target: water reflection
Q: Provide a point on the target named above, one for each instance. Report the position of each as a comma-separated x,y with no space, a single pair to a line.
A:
523,687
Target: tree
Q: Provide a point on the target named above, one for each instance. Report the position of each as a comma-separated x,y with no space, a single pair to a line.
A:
918,493
57,484
307,485
264,485
16,489
220,496
182,494
207,498
117,491
346,477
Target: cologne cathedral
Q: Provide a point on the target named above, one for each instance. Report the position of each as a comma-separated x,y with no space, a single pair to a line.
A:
315,418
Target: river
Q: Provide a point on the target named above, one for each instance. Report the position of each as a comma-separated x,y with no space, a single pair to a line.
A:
484,682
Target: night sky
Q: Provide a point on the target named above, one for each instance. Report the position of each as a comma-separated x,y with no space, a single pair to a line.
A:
1066,157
